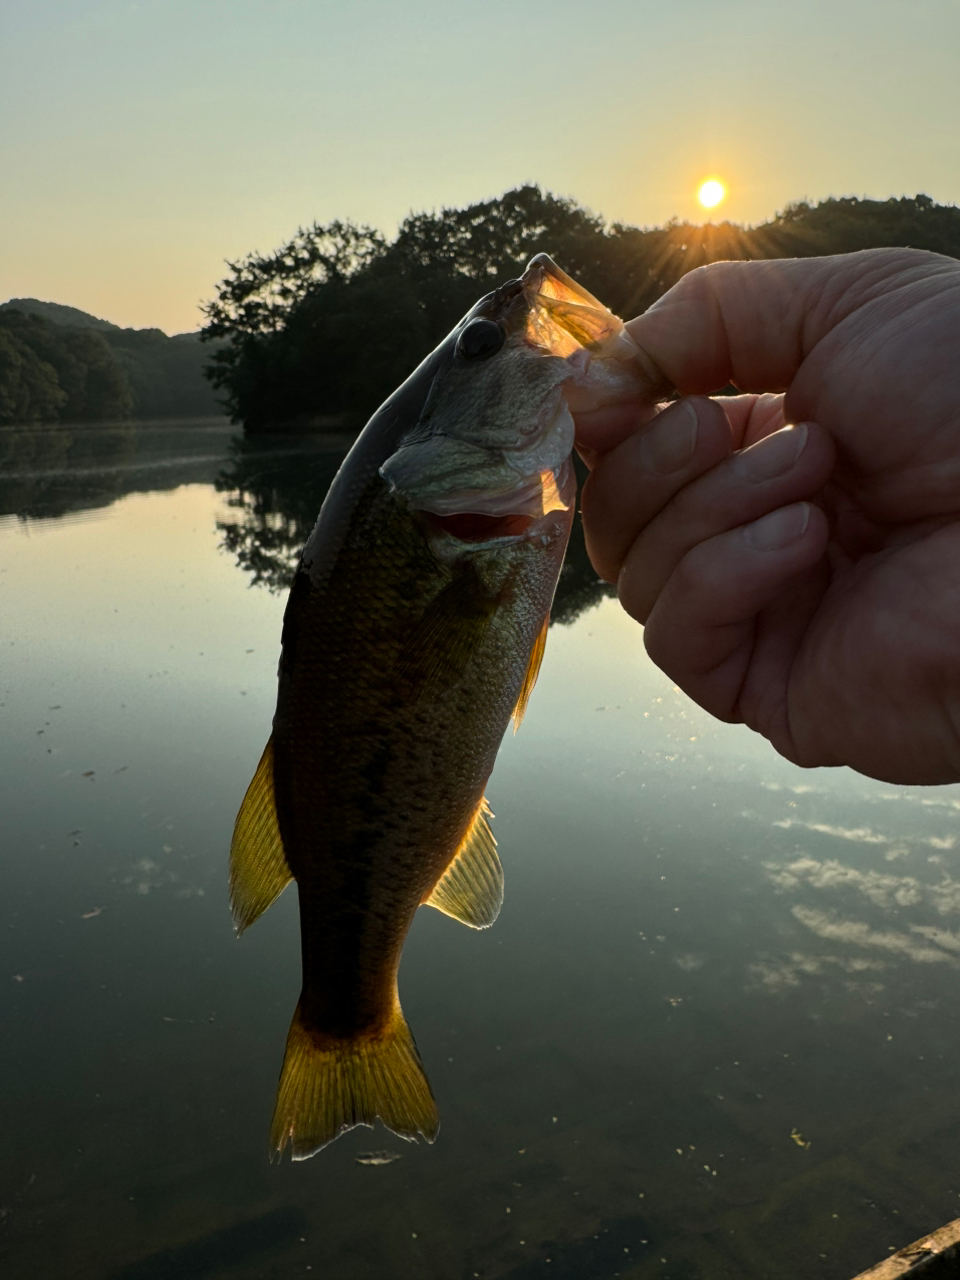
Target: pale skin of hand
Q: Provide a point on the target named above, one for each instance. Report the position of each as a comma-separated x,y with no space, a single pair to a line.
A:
803,580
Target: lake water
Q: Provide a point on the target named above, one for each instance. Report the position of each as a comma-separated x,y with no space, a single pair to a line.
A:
714,1032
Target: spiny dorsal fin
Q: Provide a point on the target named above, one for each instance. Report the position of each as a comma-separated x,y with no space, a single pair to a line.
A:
258,864
533,670
471,888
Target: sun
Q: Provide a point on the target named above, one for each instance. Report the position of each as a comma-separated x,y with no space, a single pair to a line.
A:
711,193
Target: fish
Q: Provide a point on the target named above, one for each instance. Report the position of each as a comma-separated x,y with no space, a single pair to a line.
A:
413,632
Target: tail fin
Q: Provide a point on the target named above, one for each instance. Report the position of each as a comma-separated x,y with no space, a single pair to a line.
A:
328,1086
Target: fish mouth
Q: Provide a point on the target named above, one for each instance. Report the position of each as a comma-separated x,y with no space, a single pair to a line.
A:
477,526
508,515
564,319
557,316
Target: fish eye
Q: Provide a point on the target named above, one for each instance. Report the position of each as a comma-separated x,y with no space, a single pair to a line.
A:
480,340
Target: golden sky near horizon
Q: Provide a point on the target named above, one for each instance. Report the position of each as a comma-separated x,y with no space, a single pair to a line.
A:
145,142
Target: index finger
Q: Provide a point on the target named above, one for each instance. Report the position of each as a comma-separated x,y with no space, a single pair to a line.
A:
754,323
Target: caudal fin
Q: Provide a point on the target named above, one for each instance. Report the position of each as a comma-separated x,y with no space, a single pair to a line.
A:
328,1086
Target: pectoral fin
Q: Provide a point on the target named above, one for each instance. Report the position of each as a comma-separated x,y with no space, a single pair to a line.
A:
471,888
449,634
533,670
258,865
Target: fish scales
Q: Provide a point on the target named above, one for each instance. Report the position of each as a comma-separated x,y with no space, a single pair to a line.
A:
413,631
379,780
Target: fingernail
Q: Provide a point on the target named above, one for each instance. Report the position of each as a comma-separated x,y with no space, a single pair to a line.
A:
668,446
779,528
773,455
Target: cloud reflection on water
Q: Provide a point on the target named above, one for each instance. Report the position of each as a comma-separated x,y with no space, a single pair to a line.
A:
834,928
863,835
875,921
789,972
882,889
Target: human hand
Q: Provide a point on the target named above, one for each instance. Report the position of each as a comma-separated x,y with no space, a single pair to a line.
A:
802,580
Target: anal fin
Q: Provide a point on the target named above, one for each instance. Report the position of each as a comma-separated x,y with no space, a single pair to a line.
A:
471,888
258,865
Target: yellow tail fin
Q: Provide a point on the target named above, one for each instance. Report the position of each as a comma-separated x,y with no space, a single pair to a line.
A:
328,1086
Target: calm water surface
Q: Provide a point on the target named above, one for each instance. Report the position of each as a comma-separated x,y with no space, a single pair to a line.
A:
714,1032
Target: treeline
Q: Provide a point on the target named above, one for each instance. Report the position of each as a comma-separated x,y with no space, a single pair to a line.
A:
321,331
87,370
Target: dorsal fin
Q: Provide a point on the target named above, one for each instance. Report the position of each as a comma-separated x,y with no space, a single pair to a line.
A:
533,670
258,865
471,888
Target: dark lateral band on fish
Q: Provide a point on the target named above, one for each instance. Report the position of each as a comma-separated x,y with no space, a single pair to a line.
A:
414,630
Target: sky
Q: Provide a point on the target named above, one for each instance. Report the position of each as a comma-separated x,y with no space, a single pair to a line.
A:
145,143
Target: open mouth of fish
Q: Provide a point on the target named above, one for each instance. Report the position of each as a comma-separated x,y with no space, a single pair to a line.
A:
563,352
509,513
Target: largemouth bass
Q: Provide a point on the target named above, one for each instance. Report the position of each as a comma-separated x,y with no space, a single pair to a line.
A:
414,631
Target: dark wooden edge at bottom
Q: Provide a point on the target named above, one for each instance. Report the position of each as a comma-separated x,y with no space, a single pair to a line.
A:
935,1255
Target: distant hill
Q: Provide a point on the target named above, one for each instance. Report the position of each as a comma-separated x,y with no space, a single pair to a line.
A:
58,313
61,364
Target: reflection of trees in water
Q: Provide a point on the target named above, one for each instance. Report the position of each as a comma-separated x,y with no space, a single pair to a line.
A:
50,471
276,488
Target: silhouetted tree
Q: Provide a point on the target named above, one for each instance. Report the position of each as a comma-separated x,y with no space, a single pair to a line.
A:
325,328
332,322
275,489
262,311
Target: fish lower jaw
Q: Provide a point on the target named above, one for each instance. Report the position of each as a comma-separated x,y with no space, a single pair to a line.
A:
523,512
